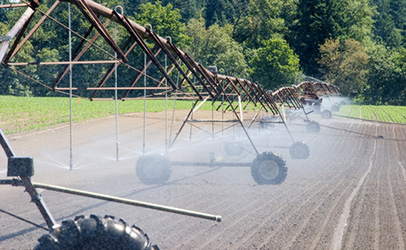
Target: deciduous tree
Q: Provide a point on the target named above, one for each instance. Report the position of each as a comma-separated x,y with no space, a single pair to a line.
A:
215,46
345,64
275,64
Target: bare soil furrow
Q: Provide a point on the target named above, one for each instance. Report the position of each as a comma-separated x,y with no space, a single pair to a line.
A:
322,230
306,227
352,185
291,218
390,233
344,224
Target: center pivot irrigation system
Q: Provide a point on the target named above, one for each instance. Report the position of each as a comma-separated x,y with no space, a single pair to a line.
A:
154,68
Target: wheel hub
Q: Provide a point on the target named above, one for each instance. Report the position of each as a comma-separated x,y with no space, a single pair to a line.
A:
268,169
300,150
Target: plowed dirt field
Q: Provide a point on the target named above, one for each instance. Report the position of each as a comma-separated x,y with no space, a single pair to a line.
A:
349,194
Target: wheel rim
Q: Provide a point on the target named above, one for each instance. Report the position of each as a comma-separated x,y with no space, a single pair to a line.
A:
153,169
268,169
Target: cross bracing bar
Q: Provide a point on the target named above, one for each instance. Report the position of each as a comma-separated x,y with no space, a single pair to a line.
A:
13,51
17,31
79,51
13,5
112,68
94,20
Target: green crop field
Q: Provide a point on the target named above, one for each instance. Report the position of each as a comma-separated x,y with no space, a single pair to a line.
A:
396,114
19,114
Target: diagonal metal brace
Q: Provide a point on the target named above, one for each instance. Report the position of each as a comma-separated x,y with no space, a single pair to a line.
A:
94,20
133,32
174,61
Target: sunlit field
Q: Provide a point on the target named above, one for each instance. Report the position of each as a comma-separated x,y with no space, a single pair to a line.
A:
396,114
23,114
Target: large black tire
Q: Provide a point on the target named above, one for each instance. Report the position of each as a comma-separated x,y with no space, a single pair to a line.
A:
299,150
313,127
95,232
153,169
269,168
326,114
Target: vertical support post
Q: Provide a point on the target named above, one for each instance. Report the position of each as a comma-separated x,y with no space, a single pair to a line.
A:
191,125
115,93
70,93
212,123
223,112
166,100
115,84
145,104
184,122
173,112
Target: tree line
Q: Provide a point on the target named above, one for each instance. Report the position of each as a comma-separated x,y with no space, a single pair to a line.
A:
358,45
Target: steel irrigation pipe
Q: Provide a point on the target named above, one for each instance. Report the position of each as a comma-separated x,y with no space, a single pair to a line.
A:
175,210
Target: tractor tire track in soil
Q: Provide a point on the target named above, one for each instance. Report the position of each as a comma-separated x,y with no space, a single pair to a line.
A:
349,194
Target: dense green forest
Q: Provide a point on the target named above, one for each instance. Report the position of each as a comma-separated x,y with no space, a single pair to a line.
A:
358,45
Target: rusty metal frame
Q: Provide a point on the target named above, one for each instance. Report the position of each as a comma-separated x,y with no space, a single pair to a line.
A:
77,55
210,83
155,51
15,50
94,20
110,71
17,30
135,35
207,86
244,93
173,61
192,70
11,5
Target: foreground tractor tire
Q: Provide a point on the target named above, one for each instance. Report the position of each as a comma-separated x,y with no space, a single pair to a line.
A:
95,232
313,127
153,169
269,168
299,150
326,114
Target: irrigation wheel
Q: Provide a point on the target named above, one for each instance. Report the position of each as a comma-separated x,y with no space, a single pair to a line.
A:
299,150
153,169
313,127
95,232
269,168
335,108
326,114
